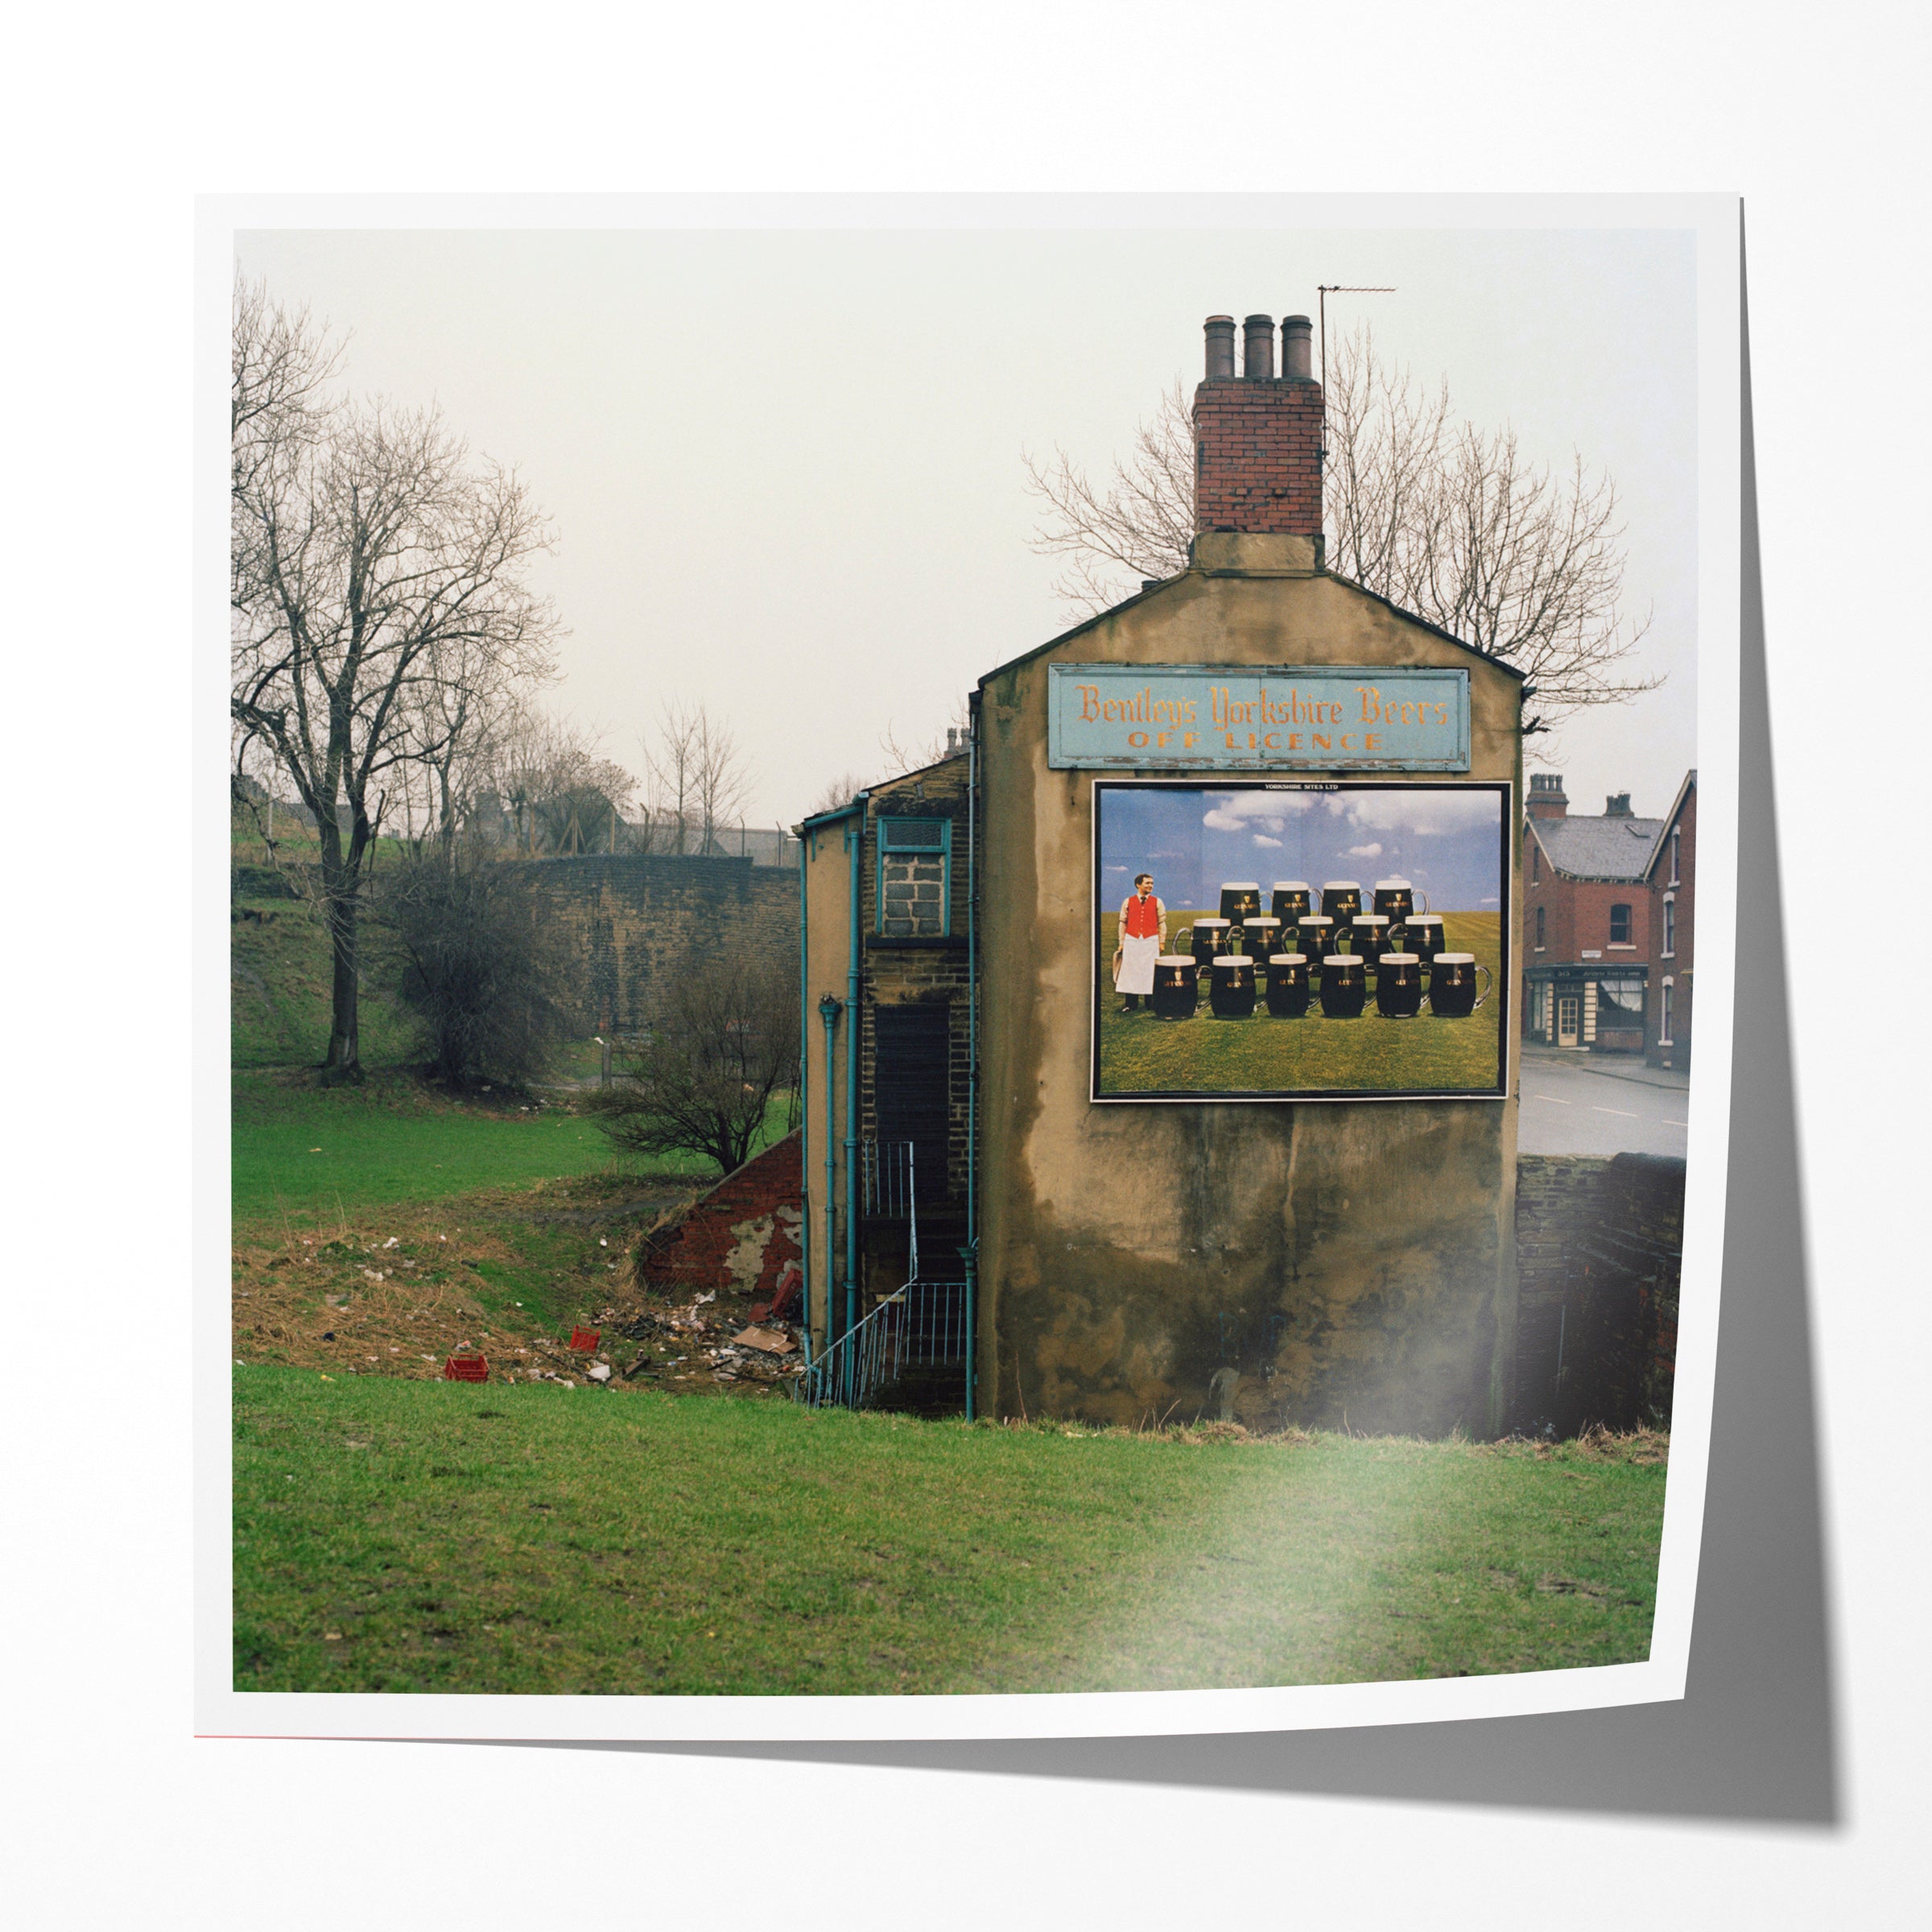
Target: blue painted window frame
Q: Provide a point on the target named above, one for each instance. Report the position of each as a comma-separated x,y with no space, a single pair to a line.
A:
944,849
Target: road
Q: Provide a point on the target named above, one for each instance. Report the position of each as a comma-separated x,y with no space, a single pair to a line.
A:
1573,1104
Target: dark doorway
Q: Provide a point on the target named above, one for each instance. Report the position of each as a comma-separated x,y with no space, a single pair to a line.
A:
912,1047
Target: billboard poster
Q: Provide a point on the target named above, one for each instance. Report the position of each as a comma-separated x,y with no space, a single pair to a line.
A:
1345,940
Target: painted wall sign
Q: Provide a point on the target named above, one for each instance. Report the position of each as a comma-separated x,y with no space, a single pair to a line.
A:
1327,717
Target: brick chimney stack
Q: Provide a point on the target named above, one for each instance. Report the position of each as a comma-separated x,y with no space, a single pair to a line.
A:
1258,436
1617,806
1546,799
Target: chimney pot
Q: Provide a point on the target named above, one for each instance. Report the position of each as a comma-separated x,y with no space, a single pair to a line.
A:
1546,799
1220,348
1258,447
1297,363
1257,348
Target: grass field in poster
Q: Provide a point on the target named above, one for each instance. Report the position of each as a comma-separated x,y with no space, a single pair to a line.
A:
1139,1053
1448,841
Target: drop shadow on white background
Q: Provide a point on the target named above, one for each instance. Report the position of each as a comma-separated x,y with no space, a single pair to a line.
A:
1755,1736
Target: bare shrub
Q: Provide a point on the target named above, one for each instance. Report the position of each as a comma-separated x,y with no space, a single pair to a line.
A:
724,1044
482,966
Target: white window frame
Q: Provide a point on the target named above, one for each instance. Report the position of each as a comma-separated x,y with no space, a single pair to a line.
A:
1669,949
1664,1038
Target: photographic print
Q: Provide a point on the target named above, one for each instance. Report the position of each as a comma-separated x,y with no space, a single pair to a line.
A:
991,1033
1419,935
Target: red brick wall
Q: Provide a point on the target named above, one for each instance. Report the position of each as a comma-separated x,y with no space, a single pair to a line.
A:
1257,454
1676,967
762,1203
1577,916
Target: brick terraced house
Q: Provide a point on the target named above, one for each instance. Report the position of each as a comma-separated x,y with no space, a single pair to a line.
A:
1608,924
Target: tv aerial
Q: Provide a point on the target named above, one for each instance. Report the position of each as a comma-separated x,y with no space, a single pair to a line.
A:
1324,290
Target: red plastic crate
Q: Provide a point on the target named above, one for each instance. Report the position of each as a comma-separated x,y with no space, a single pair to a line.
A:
585,1340
466,1368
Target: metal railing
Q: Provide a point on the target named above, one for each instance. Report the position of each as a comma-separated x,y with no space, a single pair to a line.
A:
920,1324
886,1177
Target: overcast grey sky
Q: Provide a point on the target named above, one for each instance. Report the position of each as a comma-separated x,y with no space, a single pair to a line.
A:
784,466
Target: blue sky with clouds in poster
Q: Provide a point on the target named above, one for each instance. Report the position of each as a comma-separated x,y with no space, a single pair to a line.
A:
1446,843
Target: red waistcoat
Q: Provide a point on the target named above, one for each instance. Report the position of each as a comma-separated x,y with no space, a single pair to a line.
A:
1143,917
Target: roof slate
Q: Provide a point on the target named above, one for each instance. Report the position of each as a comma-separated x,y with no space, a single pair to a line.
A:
1600,848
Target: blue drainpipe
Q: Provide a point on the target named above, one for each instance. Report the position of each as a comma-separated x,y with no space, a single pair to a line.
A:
830,1007
804,1099
828,1012
855,840
970,1254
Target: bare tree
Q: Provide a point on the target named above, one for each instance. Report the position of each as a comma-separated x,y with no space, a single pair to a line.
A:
1136,526
464,714
671,756
563,796
1446,520
839,793
698,780
1454,523
281,364
723,1047
724,778
365,545
915,754
482,964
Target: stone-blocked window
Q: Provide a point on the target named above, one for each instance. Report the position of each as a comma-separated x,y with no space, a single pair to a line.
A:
915,877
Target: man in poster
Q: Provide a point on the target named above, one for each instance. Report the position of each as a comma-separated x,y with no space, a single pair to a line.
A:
1143,938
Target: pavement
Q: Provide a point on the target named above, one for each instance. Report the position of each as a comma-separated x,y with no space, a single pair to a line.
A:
1578,1103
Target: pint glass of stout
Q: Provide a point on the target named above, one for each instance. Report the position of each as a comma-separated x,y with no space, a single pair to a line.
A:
1211,939
1341,900
1230,992
1316,933
1260,937
1176,982
1452,994
1291,900
1370,931
1422,935
1288,985
1240,899
1398,986
1395,898
1344,985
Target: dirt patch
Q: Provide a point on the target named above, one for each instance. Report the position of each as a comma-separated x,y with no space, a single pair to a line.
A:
508,1276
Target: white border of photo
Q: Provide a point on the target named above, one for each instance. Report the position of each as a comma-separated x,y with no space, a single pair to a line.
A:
219,1710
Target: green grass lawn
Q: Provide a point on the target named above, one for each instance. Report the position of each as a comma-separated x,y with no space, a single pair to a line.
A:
278,991
316,1152
419,1536
1140,1054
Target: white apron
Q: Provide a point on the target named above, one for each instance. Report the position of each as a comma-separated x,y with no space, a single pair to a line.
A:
1138,957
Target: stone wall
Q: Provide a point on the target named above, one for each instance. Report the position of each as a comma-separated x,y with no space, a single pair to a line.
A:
1598,1247
635,918
928,968
1360,1257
